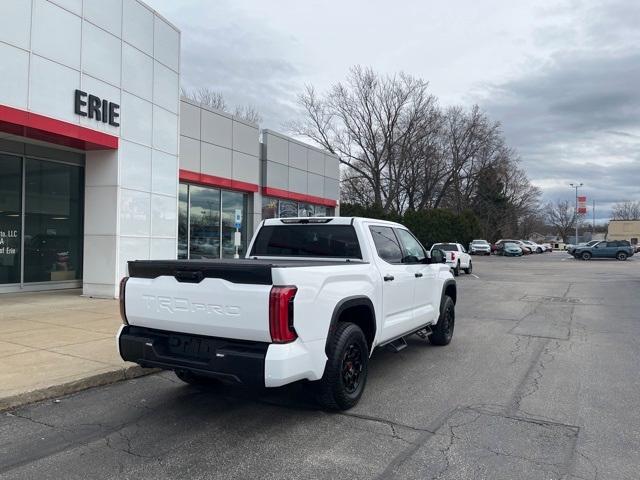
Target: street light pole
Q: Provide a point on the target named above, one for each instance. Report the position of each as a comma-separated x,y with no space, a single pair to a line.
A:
576,186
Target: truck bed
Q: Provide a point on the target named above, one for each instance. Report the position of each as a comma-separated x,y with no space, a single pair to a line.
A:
249,271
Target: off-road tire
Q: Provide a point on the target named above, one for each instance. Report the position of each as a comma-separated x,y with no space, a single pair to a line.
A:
443,331
585,255
332,391
622,256
469,269
456,271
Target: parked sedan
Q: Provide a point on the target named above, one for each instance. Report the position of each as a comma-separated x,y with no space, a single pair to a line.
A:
526,250
620,249
536,247
509,249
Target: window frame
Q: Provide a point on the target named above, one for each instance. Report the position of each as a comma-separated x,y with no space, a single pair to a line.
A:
404,249
375,247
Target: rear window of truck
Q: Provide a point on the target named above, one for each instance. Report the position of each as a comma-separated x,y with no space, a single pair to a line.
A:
308,240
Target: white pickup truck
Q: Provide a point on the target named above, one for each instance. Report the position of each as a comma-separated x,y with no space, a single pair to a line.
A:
457,257
310,302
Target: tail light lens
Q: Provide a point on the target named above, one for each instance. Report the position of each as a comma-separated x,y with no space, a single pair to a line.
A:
281,314
453,256
123,312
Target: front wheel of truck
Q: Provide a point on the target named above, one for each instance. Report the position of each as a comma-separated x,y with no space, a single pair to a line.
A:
345,374
443,331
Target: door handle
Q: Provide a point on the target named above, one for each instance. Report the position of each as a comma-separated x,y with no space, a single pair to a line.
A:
418,275
388,278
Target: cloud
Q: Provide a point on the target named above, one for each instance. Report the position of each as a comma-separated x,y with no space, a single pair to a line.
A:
575,116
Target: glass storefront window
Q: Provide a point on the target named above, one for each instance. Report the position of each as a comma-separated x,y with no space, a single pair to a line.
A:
269,207
204,214
53,238
206,222
183,221
306,210
232,202
288,209
10,218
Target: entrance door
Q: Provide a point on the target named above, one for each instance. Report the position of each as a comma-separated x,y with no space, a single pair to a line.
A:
10,219
41,220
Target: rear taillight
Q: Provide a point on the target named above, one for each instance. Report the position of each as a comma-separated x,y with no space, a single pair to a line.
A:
281,314
453,256
123,312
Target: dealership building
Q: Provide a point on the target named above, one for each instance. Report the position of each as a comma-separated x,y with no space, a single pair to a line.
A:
102,162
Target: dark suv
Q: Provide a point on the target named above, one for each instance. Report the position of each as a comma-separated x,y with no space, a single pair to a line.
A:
620,249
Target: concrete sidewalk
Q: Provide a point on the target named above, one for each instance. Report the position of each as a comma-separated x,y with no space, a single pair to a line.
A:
56,343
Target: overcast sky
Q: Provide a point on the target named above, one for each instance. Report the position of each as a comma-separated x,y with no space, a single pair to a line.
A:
563,78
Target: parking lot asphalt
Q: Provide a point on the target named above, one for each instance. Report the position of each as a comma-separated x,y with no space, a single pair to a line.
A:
539,382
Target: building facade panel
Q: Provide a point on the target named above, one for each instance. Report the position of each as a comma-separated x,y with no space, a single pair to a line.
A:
15,23
90,106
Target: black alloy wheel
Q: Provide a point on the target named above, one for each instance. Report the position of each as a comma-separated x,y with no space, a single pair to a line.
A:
352,368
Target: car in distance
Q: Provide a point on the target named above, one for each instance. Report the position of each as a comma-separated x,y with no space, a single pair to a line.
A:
536,247
571,248
525,249
481,247
509,249
457,257
619,249
311,301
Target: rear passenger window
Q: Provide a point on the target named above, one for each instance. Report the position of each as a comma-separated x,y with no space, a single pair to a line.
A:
386,243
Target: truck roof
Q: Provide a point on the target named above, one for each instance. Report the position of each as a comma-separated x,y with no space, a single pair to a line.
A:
329,220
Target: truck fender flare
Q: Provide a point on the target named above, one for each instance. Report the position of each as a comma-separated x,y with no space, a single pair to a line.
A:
449,285
349,302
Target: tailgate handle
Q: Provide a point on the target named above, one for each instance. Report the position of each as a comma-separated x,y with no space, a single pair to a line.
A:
189,277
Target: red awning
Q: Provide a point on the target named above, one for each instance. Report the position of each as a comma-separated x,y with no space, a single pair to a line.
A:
46,129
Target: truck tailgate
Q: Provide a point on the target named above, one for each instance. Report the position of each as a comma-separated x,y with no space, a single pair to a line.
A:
202,298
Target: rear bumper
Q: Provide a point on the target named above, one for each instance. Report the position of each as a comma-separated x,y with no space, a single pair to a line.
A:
255,364
229,360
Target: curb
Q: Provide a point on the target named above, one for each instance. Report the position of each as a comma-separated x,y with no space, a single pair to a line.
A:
98,380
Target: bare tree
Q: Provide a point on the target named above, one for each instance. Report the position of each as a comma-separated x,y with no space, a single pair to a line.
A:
627,210
215,99
369,122
562,217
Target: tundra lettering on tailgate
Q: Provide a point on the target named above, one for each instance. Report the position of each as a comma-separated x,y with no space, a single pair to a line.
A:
172,304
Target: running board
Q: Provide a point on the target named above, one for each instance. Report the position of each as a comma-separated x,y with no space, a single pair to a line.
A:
400,343
397,345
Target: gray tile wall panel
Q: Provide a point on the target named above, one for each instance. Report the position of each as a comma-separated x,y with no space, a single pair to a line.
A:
315,161
297,180
331,166
216,160
315,185
189,120
189,154
331,188
245,139
298,156
217,129
246,168
276,175
277,149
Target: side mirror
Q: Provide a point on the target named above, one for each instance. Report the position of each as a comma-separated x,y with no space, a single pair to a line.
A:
438,256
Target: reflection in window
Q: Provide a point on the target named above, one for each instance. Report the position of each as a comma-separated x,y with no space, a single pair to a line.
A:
183,221
204,222
269,207
306,210
53,238
288,209
232,202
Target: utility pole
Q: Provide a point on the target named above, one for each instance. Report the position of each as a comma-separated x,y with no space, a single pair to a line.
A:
594,218
576,186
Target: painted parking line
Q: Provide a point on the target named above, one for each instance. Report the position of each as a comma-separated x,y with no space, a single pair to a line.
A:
474,275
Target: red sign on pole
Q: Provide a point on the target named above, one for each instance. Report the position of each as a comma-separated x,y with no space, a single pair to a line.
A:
582,199
582,205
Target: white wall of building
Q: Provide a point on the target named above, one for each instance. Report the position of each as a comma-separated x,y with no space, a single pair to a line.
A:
122,51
